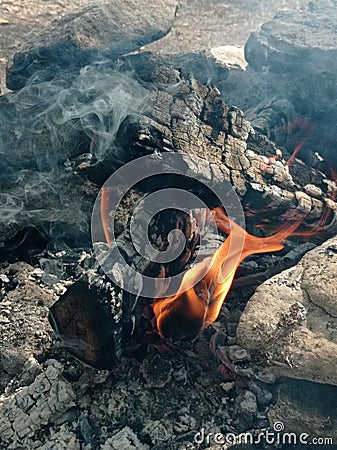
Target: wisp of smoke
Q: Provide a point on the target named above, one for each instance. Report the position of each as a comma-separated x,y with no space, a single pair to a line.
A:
46,124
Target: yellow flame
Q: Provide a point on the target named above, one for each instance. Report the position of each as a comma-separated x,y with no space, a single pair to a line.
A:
191,309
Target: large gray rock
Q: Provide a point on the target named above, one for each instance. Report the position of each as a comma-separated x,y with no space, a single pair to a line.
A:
290,323
293,36
291,76
116,27
301,48
304,407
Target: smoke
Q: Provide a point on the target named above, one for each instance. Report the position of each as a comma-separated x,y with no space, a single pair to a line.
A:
45,130
69,108
92,104
291,78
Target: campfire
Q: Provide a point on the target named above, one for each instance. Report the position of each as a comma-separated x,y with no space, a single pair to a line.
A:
192,309
177,232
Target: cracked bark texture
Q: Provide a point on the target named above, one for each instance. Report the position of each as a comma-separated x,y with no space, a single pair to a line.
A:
180,115
194,120
289,325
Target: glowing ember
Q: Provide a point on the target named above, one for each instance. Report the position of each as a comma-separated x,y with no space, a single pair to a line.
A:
193,309
305,127
105,214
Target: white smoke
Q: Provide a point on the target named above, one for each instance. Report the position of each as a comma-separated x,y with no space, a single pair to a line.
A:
45,124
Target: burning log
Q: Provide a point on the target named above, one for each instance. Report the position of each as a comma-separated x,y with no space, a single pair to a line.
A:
107,116
192,309
199,297
101,118
182,116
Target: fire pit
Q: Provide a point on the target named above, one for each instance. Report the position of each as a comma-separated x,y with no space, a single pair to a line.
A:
171,242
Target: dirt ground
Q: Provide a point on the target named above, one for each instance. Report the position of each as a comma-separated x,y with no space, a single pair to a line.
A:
25,18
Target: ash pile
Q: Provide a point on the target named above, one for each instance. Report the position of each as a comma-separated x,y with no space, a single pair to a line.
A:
86,104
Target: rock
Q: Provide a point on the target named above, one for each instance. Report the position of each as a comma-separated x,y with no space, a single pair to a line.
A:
230,57
73,41
305,407
245,406
293,39
289,325
297,52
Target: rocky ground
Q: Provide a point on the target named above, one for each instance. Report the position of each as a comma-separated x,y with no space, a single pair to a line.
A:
199,24
260,367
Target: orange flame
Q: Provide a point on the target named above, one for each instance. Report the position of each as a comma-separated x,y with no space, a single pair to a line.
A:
205,286
192,309
105,214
